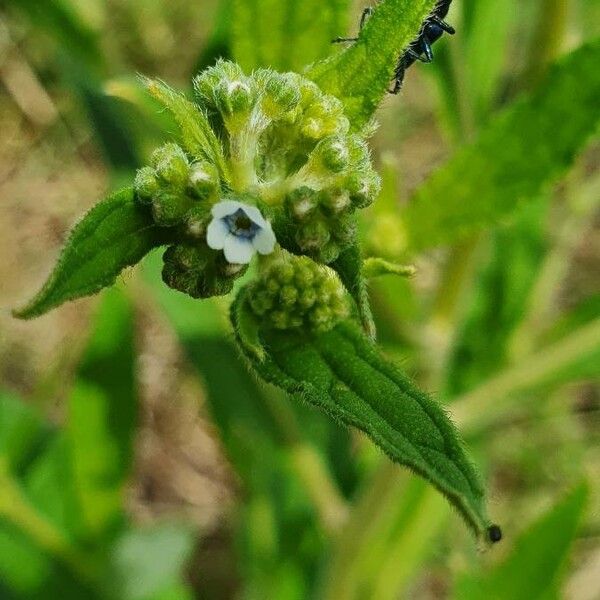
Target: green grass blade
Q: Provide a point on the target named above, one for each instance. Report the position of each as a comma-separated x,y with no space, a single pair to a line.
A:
524,150
102,411
533,568
360,74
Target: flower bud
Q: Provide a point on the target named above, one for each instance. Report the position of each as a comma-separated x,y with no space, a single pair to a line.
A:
235,97
317,301
198,271
203,180
334,201
281,95
301,203
170,207
145,184
313,235
363,187
207,82
332,154
323,117
171,164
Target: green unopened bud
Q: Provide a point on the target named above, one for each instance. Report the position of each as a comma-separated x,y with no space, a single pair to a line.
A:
344,229
360,157
281,95
363,188
332,154
197,220
234,97
334,200
328,253
207,82
171,164
324,117
146,185
170,207
198,271
317,302
203,180
312,236
301,203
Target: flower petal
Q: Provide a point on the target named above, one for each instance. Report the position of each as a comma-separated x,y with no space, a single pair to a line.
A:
238,250
264,240
254,215
216,234
226,207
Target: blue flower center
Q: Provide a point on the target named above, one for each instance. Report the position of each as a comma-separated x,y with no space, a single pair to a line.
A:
241,225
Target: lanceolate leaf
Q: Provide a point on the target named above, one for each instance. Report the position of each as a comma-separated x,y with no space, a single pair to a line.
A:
360,75
196,133
526,148
342,373
115,234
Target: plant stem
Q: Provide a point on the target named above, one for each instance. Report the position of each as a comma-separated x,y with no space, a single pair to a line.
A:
547,39
15,507
580,206
477,408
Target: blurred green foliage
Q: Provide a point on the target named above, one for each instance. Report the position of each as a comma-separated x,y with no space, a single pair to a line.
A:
505,331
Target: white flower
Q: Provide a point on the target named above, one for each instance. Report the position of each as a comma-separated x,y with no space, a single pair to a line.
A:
239,230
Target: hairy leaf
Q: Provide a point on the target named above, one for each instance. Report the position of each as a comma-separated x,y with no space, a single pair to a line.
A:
342,373
115,234
349,266
285,34
360,74
196,133
533,568
526,148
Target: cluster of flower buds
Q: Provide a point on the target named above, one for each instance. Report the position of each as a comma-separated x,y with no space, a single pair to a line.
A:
294,291
176,188
265,148
198,271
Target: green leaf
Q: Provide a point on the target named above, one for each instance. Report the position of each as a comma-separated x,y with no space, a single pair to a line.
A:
360,75
146,563
22,432
285,34
102,411
349,267
377,267
65,27
533,568
575,356
115,234
197,135
524,149
342,373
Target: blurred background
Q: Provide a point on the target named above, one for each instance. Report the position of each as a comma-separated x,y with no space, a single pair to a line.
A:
138,457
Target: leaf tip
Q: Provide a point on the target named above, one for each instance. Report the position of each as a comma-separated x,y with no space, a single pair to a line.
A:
494,533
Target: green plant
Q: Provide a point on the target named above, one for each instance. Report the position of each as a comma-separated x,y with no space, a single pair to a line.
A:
322,515
275,149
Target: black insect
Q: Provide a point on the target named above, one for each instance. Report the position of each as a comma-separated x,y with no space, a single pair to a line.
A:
432,30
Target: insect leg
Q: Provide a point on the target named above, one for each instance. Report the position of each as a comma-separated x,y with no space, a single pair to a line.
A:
445,26
363,19
416,56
